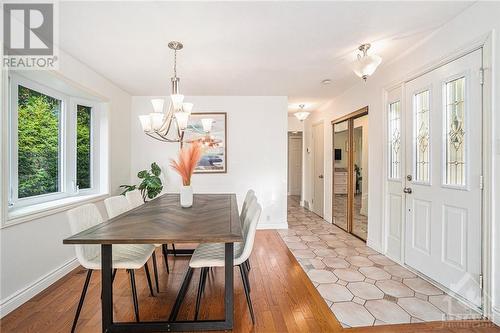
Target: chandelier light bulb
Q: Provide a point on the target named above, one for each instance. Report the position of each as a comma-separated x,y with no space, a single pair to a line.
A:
207,124
145,122
158,104
182,118
187,107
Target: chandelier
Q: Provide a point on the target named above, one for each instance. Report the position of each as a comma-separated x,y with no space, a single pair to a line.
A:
365,65
301,115
168,125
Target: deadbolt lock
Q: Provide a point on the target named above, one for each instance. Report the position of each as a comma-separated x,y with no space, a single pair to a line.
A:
409,178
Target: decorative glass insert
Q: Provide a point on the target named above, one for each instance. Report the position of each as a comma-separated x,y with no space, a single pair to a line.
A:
455,132
83,146
421,132
395,140
38,132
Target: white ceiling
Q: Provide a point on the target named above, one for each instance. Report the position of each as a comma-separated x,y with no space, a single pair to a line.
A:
243,48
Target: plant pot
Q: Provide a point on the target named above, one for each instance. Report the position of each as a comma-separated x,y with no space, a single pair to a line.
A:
186,196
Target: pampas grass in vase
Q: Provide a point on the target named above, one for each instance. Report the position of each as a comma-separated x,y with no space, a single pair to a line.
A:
187,161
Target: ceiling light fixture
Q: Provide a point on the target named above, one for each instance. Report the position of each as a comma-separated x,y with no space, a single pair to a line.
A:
301,115
365,65
169,125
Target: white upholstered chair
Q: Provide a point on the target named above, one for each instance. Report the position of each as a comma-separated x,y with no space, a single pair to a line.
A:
209,255
134,198
117,205
89,256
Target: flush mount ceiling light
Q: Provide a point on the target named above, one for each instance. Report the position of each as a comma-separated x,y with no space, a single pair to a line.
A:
301,115
366,64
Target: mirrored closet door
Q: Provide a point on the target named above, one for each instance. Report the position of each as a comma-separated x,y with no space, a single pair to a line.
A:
350,173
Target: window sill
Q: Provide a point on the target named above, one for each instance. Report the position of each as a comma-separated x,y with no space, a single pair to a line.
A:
29,213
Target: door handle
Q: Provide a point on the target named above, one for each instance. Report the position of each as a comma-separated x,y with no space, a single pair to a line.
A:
320,176
407,190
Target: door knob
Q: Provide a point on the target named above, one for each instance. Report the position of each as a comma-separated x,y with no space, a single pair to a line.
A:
407,190
320,176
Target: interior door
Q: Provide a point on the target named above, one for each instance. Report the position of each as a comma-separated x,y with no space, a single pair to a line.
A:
318,135
294,164
443,175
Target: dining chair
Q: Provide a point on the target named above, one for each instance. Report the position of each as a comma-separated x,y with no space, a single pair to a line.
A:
89,256
117,205
250,199
135,199
208,255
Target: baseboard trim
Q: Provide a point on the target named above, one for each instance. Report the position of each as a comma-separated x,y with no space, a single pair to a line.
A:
20,297
265,226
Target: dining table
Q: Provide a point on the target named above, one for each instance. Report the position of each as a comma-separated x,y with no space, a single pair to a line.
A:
213,218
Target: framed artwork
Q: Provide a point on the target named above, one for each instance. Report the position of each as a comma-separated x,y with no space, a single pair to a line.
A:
214,142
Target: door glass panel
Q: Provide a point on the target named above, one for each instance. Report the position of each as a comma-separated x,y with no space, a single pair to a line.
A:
455,132
395,140
421,133
360,177
340,165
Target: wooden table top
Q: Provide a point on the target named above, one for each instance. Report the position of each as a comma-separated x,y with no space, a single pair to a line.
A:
212,218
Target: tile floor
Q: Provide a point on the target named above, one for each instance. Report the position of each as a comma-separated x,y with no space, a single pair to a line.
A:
361,286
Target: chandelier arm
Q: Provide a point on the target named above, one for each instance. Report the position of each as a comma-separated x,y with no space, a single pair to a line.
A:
160,137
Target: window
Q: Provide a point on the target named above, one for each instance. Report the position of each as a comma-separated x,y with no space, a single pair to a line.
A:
83,146
455,133
51,139
421,136
395,140
38,148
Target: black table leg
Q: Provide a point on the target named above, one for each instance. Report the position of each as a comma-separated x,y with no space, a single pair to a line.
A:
229,285
107,287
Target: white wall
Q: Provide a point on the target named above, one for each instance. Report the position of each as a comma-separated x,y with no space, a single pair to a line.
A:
295,125
32,253
256,151
472,25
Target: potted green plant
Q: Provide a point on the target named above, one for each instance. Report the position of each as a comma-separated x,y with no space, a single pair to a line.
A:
150,185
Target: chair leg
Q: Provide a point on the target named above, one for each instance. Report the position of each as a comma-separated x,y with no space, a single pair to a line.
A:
247,278
247,292
173,249
114,274
155,271
198,294
165,256
205,276
134,293
82,298
248,264
148,276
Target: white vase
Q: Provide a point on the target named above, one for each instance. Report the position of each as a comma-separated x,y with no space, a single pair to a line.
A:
186,196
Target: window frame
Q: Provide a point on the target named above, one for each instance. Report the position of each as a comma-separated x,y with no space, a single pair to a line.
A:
67,145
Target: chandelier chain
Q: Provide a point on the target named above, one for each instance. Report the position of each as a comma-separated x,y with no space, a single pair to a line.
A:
175,63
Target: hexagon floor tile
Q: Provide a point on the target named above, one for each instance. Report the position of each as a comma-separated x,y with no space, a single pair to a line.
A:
361,286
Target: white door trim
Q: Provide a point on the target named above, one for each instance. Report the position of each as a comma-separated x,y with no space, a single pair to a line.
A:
485,43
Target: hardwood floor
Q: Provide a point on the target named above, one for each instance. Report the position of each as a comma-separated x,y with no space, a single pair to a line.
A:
284,300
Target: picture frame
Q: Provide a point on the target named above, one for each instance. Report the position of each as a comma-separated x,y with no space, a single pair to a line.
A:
214,143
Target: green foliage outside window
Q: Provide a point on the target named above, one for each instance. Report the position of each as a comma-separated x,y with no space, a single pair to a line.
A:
83,162
38,143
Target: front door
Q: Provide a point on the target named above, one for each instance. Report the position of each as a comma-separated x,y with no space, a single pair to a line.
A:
443,112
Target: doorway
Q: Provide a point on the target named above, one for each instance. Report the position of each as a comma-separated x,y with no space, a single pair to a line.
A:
350,173
295,165
318,167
